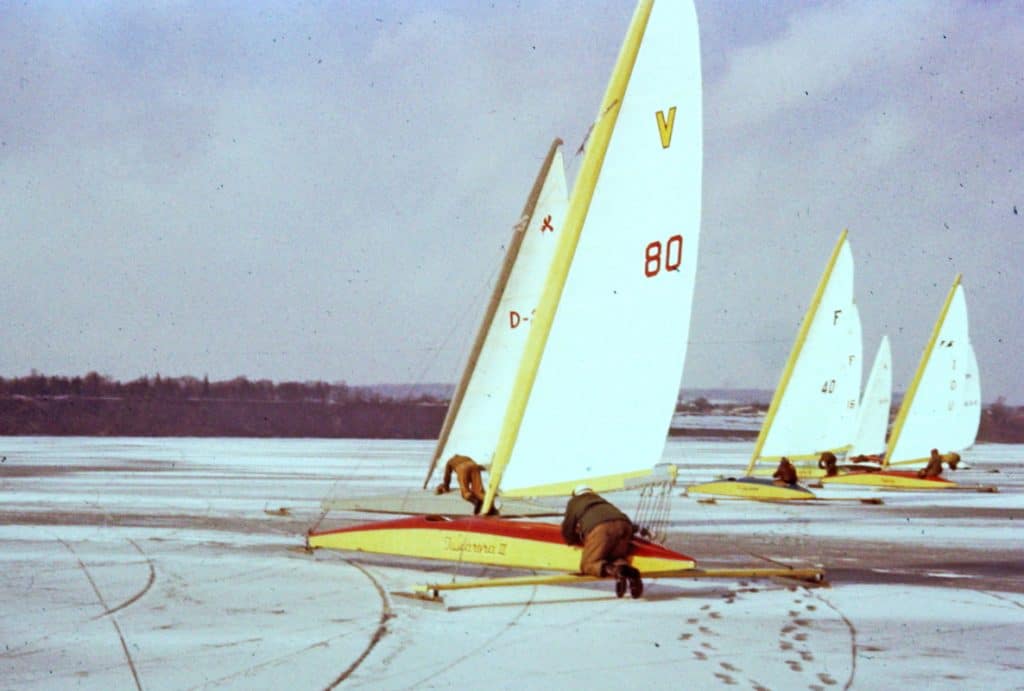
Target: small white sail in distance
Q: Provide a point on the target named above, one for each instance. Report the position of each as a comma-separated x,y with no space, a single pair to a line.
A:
971,404
477,408
932,414
873,413
814,405
600,376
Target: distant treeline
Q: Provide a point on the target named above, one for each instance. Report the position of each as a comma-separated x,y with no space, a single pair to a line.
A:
96,405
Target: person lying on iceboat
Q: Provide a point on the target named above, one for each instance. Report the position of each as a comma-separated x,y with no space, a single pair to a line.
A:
785,474
934,467
471,485
605,533
828,462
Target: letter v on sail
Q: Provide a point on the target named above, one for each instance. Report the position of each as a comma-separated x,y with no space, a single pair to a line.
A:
665,126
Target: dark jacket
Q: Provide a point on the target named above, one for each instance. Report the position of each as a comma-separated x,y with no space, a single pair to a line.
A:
582,513
786,472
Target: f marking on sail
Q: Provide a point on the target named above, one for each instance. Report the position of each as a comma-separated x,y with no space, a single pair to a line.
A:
665,125
835,316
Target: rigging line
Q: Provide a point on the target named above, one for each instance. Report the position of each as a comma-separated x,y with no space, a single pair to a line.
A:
458,324
666,515
641,521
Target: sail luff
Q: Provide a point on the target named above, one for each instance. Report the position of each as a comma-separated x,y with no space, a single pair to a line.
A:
794,354
511,255
908,398
579,204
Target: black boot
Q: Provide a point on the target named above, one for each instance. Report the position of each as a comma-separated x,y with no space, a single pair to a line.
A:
636,586
620,578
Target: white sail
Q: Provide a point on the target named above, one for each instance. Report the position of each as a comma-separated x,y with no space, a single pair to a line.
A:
477,413
873,413
933,414
847,387
814,407
602,385
970,413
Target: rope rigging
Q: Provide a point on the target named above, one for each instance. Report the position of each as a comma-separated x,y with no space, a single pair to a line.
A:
654,510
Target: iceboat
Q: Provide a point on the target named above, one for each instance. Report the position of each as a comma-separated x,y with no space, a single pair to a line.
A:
941,409
581,388
814,405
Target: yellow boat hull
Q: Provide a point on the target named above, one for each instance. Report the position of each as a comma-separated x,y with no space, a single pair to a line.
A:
752,488
489,541
891,479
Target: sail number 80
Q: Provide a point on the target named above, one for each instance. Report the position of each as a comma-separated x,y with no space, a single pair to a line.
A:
667,256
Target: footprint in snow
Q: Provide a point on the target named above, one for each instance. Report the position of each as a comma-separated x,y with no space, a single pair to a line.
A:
794,666
827,679
725,678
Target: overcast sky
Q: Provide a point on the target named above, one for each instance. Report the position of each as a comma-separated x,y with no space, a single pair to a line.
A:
323,190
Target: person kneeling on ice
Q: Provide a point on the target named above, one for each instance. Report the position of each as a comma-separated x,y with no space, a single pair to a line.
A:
827,462
605,534
785,474
471,485
934,467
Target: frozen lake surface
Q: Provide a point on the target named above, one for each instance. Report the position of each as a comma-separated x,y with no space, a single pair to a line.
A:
178,564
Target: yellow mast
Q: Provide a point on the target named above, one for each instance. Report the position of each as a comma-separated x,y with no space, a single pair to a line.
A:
908,399
518,235
794,354
579,205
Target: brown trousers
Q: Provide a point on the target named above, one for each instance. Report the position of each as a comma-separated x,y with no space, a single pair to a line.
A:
471,485
606,543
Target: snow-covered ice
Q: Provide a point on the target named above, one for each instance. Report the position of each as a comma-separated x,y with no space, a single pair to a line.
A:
177,564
